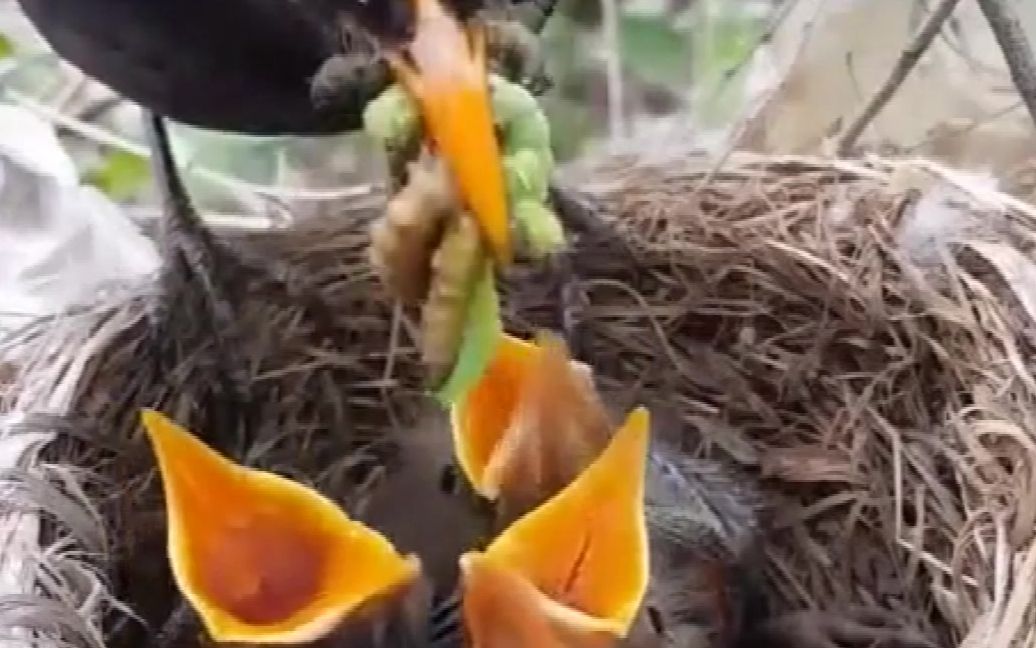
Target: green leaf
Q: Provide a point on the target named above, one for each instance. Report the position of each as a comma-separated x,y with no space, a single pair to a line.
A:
654,50
483,330
120,175
541,230
731,38
6,47
250,158
572,125
392,117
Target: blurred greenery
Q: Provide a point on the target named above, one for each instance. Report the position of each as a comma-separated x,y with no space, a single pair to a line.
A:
6,47
656,50
731,38
120,174
674,55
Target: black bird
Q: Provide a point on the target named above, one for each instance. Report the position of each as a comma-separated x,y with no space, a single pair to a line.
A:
310,67
248,66
275,67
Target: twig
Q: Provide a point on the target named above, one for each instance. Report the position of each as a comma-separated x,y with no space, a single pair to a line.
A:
147,216
978,123
98,107
957,40
613,67
1017,49
760,103
907,60
769,31
240,189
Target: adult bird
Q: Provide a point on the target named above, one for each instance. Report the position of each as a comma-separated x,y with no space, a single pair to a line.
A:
274,67
248,66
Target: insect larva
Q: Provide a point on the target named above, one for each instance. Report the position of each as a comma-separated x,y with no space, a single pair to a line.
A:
455,266
405,238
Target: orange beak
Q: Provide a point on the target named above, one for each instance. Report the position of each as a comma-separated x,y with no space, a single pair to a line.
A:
444,68
574,571
531,424
263,559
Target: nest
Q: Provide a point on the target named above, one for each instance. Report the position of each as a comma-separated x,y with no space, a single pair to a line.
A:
858,336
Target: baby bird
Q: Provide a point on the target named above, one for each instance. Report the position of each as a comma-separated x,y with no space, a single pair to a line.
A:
528,431
571,572
261,559
535,422
610,541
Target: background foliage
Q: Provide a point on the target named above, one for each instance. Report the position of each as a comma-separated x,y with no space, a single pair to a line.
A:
663,50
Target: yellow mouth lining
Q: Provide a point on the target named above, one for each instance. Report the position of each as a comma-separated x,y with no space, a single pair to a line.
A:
261,558
586,549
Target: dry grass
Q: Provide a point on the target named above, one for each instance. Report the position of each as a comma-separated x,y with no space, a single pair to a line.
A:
793,314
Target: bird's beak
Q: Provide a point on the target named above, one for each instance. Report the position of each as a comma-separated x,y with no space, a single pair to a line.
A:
533,417
263,559
572,572
444,68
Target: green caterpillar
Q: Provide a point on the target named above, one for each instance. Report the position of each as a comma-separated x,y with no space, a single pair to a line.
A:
393,120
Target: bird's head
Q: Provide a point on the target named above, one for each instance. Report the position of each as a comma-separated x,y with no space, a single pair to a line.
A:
437,51
571,573
265,560
395,22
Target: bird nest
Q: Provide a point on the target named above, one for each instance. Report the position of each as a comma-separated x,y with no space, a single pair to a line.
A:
858,335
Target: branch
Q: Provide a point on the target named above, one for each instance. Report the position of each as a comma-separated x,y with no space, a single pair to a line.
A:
1017,49
908,58
613,71
765,38
244,191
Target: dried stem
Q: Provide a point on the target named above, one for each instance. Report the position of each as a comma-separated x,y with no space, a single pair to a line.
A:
907,60
1017,50
613,67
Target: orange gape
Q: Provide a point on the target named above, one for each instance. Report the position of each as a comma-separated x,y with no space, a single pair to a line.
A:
447,75
575,569
567,548
261,573
263,559
502,611
482,416
530,424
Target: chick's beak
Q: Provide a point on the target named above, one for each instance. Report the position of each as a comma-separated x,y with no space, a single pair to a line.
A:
534,417
444,68
263,559
480,418
573,571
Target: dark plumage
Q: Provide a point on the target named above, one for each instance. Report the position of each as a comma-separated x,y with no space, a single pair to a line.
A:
239,65
704,527
272,67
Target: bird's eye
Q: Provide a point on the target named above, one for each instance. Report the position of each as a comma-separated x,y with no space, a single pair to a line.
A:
465,9
448,480
655,617
445,627
390,20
